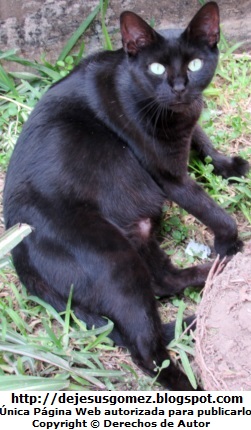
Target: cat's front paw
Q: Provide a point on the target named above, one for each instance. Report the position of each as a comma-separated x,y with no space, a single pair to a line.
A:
239,167
227,247
232,167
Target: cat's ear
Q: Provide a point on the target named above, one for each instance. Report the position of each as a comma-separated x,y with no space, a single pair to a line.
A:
136,33
205,25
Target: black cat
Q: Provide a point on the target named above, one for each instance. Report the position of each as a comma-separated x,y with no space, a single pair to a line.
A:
99,155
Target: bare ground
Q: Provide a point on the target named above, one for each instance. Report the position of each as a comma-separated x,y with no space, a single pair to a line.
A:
223,340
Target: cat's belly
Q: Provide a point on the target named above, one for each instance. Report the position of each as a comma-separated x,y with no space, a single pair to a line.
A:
144,227
140,229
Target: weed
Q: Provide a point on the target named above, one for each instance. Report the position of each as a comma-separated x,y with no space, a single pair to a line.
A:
32,344
182,345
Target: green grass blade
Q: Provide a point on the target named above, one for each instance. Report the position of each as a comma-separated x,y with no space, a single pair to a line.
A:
48,308
246,212
18,296
52,335
82,386
80,53
188,369
47,71
28,383
27,76
179,320
26,88
18,321
108,43
10,56
4,55
100,338
84,358
78,33
66,327
186,348
43,70
103,8
47,357
3,328
11,336
6,82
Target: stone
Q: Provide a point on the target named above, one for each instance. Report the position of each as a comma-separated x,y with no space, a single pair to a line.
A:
39,27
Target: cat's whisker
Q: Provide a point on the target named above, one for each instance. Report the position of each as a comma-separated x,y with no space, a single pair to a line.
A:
144,112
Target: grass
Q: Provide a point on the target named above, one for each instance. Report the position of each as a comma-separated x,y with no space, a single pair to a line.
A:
45,350
42,349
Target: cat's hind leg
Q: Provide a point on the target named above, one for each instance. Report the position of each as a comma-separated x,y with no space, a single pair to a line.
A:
177,280
168,279
109,279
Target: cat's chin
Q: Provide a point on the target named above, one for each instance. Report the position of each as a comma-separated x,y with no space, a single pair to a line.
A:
178,107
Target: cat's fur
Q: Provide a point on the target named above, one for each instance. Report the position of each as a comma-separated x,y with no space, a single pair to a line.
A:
99,155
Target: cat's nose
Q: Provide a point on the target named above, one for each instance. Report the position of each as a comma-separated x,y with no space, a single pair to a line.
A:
178,88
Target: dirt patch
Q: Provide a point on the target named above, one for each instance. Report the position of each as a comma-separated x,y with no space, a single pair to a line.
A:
223,338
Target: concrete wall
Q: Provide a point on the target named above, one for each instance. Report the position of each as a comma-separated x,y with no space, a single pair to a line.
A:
44,26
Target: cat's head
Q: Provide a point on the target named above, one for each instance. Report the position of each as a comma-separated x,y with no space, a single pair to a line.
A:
172,67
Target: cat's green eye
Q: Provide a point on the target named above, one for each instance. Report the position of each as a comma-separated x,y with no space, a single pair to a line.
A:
157,68
195,65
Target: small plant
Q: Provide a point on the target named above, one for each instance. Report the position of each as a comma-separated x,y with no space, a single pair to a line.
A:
173,224
41,350
158,370
182,345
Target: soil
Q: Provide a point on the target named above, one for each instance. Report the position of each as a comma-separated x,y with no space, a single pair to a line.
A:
223,337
